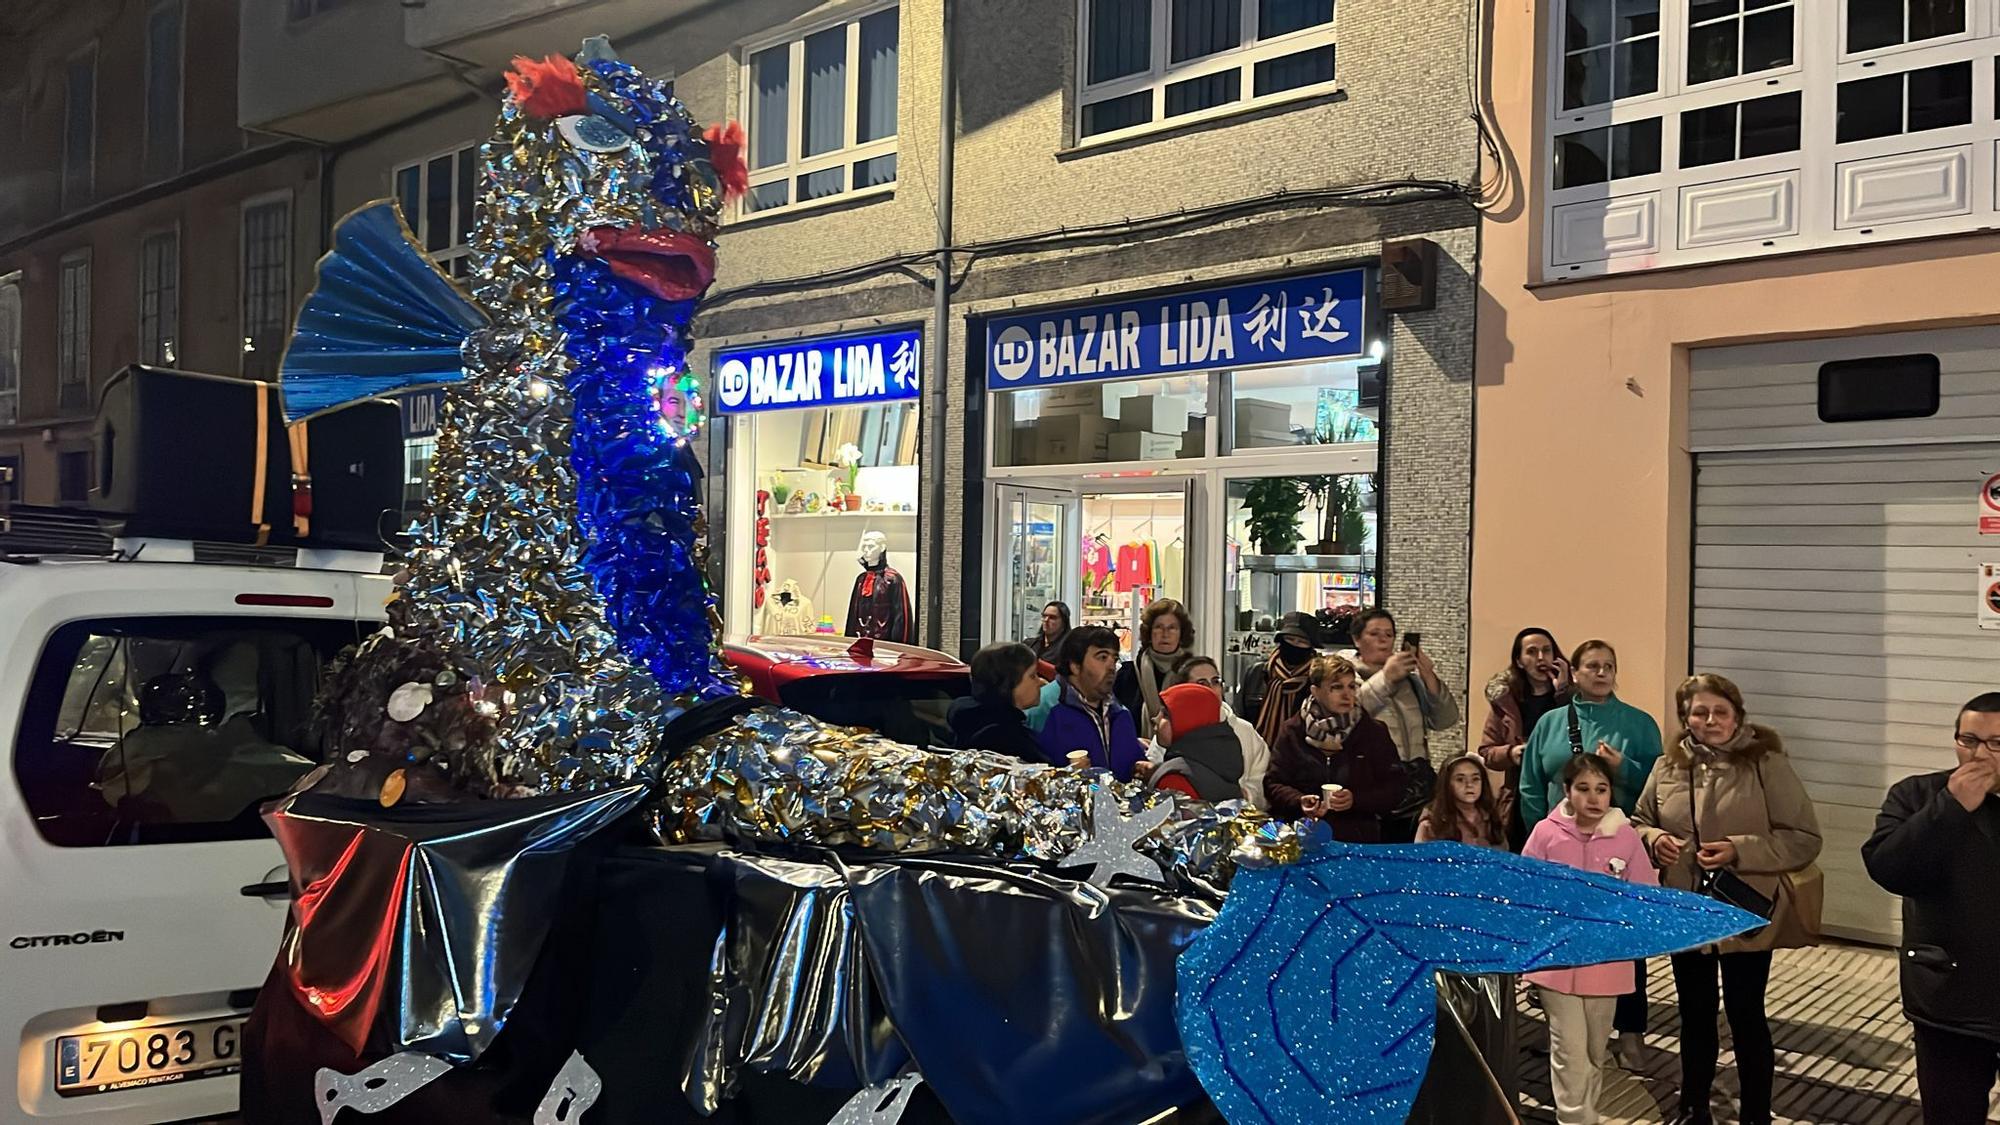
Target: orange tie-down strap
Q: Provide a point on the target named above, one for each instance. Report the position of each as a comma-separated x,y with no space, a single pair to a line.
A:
301,479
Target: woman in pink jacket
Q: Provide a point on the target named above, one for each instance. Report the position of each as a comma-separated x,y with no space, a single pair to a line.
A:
1586,832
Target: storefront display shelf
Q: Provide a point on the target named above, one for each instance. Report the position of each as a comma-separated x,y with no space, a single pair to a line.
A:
1307,564
842,515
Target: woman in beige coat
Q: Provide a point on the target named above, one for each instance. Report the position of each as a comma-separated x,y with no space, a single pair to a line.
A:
1726,796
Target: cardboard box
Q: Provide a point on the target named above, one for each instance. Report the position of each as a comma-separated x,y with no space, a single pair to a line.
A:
1143,446
1090,400
1248,437
1070,439
1262,414
1158,414
1194,442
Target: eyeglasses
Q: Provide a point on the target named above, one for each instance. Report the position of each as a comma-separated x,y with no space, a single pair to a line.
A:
1974,742
1597,669
1209,683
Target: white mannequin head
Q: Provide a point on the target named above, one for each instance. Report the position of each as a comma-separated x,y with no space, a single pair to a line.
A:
874,545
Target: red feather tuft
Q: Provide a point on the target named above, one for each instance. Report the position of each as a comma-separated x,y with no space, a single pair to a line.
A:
548,88
725,155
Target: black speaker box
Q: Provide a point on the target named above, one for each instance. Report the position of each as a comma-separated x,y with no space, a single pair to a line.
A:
178,457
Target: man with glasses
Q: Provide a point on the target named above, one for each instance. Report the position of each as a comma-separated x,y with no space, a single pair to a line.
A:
1937,843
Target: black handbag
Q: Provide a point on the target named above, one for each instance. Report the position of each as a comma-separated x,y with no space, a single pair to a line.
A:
1722,884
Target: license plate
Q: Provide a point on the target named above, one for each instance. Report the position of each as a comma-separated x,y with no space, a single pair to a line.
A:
148,1056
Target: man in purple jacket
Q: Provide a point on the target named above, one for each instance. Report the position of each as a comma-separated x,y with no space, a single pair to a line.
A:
1086,716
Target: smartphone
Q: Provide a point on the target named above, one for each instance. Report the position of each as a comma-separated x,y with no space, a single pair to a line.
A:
1413,640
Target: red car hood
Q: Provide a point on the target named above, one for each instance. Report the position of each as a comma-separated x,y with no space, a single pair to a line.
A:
784,659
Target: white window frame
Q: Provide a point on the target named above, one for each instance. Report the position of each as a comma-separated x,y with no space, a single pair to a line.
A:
88,190
419,224
10,349
180,92
1975,17
1657,215
1740,18
73,333
849,153
1243,57
159,333
243,273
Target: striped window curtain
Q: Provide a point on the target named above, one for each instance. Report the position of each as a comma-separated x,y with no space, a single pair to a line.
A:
878,78
770,106
1280,17
826,92
1121,39
1203,27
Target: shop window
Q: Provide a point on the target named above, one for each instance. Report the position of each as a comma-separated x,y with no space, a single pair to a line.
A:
1296,544
1614,152
823,112
1740,130
73,333
1611,50
159,297
1731,38
10,351
1160,419
830,476
1336,403
1934,97
1147,61
1134,552
1874,24
267,285
417,456
439,205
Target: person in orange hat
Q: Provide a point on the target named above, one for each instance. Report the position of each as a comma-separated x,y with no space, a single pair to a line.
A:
1204,758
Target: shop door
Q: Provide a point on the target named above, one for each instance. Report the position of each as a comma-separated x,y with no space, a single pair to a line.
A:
1135,549
1038,561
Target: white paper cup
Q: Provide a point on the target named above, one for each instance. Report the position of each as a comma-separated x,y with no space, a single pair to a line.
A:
1079,759
1326,792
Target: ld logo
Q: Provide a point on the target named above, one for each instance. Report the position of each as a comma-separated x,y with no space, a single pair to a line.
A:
1013,354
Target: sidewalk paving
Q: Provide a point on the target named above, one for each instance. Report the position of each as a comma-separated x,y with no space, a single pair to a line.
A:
1844,1055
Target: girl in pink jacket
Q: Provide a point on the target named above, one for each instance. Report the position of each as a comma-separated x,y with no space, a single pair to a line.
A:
1586,832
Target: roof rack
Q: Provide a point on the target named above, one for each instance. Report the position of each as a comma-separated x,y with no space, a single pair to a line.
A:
35,532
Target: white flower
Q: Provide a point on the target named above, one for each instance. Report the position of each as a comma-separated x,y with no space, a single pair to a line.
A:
1617,866
849,455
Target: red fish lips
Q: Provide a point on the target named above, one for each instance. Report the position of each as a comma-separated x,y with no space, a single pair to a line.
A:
670,265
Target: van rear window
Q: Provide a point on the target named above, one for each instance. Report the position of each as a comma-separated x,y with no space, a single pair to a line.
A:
170,729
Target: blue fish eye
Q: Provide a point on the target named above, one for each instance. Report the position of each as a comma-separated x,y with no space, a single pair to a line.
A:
592,133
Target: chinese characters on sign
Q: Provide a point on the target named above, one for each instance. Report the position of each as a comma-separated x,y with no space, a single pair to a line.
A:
840,371
1294,319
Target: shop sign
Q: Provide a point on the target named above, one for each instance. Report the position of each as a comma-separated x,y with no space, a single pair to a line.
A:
420,412
1989,506
841,371
1294,319
1989,595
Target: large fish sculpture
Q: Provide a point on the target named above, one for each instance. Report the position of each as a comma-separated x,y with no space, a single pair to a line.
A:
553,587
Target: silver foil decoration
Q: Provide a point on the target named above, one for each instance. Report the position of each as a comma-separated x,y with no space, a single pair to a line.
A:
879,1105
376,1088
574,1090
1111,845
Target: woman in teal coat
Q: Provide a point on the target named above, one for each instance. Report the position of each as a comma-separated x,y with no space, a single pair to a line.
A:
1629,742
1625,737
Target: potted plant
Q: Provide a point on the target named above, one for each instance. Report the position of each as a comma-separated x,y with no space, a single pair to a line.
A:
850,459
1273,504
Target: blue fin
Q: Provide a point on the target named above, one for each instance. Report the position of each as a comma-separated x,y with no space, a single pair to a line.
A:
1310,998
381,319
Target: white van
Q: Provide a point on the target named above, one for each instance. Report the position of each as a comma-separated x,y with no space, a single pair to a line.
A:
146,708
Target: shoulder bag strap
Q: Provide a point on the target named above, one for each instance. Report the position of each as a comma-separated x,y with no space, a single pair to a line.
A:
1575,729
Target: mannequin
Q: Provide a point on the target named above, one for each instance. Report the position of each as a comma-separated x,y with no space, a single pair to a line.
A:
880,605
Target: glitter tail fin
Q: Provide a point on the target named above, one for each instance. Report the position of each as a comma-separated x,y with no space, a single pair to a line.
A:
381,319
1311,997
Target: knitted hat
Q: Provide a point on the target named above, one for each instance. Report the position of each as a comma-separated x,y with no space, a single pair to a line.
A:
1191,707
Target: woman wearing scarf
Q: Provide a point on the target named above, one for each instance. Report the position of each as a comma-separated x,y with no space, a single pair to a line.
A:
1167,633
1284,676
1330,742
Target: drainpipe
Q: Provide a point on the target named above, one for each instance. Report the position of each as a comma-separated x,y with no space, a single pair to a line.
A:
935,387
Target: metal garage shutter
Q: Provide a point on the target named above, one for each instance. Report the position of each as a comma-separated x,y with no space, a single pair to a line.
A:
1836,584
1837,589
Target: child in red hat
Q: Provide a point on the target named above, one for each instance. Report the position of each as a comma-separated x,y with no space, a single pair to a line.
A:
1204,758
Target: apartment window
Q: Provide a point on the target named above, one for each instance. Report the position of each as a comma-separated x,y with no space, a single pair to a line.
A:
1731,38
823,112
1157,61
267,262
1615,152
73,476
1916,101
1874,24
1611,50
159,297
73,333
79,129
10,351
439,202
1740,130
163,89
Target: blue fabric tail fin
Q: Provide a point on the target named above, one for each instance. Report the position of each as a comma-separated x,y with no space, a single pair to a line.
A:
380,319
